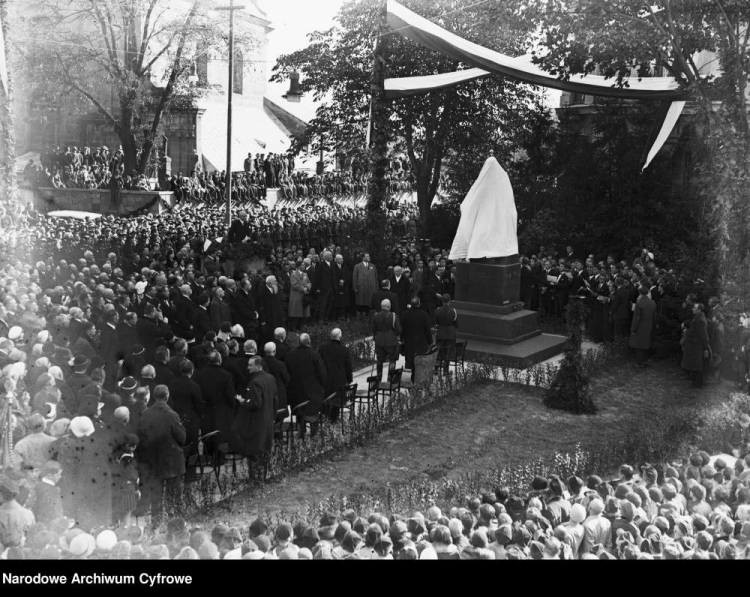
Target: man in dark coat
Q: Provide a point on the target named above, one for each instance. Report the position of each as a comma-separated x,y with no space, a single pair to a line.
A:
280,373
307,377
382,295
446,318
642,327
126,334
184,309
271,308
342,288
218,391
695,347
401,287
186,399
160,457
151,330
109,348
240,229
621,307
245,311
415,332
202,320
324,285
337,360
219,311
252,429
385,330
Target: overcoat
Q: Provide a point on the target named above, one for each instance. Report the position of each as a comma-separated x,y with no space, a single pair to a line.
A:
252,428
365,283
695,343
643,323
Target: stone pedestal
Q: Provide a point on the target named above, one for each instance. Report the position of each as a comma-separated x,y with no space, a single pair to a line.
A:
492,318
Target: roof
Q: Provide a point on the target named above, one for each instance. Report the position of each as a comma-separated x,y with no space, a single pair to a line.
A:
253,131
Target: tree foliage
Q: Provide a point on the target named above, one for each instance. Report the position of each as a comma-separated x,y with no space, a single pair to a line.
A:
571,389
620,37
76,51
449,130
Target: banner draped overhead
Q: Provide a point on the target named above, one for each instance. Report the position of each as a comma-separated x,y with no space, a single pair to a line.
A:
490,62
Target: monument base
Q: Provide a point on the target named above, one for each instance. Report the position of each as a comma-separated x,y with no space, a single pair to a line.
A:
520,355
493,320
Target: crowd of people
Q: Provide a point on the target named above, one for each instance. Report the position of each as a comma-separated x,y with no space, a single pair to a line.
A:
698,509
76,168
123,340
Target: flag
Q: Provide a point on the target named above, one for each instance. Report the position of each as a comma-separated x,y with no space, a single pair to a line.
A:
3,65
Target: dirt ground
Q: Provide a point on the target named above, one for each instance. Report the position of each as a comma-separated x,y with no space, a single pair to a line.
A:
489,427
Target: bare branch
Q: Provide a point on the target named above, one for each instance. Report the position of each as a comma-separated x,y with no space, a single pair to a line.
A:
146,34
75,85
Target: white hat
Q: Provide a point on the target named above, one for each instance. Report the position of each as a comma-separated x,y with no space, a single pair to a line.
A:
81,427
15,332
140,287
577,513
82,545
106,540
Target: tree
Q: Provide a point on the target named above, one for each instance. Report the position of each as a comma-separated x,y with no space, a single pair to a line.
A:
432,130
617,37
571,389
75,51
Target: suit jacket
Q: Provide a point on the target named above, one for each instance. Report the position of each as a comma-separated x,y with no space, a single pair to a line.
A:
150,334
337,359
161,436
186,399
271,309
307,379
415,332
402,289
217,389
279,372
446,319
244,307
385,329
379,296
642,326
219,312
621,304
238,231
201,323
184,315
252,429
325,278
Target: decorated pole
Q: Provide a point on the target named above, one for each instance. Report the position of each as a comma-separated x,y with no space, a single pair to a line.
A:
8,183
378,187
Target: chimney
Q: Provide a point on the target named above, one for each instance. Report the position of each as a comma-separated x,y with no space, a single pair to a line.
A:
294,94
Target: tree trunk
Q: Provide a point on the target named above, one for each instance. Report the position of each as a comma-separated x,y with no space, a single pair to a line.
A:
378,188
424,203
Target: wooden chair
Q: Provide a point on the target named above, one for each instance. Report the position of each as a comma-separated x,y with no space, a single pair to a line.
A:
287,429
200,465
345,400
370,395
424,369
390,387
457,360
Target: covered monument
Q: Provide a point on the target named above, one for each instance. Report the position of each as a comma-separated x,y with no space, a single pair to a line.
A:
490,314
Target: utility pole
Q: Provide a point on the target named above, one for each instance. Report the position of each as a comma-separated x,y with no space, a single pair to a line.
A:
230,91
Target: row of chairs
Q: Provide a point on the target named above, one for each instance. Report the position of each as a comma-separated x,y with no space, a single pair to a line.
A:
347,399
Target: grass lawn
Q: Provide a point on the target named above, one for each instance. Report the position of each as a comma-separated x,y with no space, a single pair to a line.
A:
493,425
